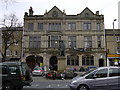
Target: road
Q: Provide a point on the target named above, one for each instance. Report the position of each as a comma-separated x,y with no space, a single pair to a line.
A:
41,83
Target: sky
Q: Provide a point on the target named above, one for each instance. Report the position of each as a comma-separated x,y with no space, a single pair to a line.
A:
108,8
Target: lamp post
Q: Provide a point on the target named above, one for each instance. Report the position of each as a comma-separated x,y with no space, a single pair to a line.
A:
115,61
113,23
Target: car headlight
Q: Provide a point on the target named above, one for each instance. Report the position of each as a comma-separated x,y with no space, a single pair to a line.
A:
74,81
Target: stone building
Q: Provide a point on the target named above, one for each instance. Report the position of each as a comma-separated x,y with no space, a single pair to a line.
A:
14,43
113,46
82,34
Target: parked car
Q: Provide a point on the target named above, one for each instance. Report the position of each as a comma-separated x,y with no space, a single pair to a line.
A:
38,71
90,68
15,75
107,78
70,74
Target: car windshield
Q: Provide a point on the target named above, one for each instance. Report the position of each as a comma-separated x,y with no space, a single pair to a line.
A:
37,68
87,72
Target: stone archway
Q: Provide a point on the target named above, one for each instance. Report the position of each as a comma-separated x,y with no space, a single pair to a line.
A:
53,63
34,60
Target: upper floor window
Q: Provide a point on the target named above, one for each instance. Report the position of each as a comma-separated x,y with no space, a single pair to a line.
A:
54,26
118,49
99,41
8,52
40,26
16,42
98,26
71,26
87,14
118,39
87,26
72,41
88,42
35,42
16,53
53,41
30,26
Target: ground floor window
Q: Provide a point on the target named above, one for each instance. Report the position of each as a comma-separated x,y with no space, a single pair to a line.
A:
88,60
72,60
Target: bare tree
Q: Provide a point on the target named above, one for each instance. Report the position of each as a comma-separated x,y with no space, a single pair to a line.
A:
7,2
9,26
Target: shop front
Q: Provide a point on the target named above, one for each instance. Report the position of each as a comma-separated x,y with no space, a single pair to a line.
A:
113,59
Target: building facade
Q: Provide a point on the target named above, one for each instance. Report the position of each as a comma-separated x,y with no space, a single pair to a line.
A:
14,43
113,46
82,35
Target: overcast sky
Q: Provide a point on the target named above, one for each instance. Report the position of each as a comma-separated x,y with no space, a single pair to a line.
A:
109,8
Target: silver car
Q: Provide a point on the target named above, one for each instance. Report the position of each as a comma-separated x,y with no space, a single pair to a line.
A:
38,71
107,78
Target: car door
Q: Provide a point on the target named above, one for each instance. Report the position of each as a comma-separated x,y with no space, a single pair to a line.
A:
114,78
100,79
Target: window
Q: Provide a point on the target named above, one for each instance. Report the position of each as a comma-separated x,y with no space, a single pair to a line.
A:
72,60
87,14
71,26
30,26
114,72
88,42
72,41
98,26
118,39
16,42
8,42
101,73
13,70
8,52
99,41
54,26
87,60
118,50
40,26
16,53
54,41
35,42
87,26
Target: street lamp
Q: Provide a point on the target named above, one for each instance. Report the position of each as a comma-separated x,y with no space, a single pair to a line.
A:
115,61
113,22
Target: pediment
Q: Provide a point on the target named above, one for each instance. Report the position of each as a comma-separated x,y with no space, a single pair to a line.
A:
87,13
54,12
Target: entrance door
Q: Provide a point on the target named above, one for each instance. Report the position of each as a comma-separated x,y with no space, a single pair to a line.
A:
101,62
53,63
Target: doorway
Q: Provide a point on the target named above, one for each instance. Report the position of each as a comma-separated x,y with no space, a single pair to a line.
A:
101,62
53,63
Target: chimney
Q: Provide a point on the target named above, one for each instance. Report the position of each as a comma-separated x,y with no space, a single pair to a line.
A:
97,12
31,11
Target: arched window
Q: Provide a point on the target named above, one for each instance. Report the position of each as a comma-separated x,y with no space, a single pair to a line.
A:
72,60
87,60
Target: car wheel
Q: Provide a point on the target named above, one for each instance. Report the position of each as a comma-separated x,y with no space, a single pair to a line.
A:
83,87
8,86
